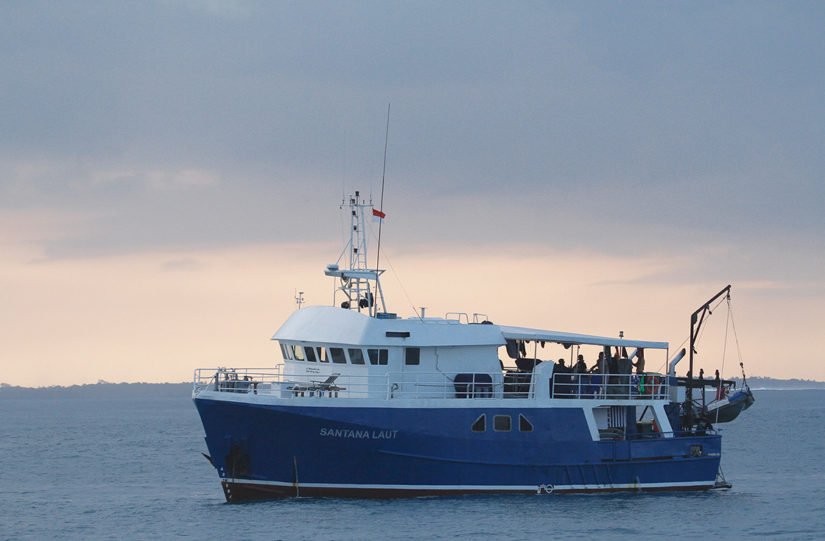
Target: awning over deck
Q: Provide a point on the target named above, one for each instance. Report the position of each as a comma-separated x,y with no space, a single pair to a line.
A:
523,333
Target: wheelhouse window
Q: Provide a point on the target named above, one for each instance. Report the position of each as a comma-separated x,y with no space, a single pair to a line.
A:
501,423
298,352
322,355
523,424
378,356
480,424
286,351
338,355
356,356
412,356
310,352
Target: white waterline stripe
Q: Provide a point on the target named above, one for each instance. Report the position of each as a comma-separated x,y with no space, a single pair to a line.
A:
471,487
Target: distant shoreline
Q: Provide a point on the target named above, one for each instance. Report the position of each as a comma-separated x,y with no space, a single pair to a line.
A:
100,390
104,388
771,384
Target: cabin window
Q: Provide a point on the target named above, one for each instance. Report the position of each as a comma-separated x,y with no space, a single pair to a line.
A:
412,356
286,351
356,356
523,424
378,356
310,354
338,355
480,424
299,353
322,355
501,423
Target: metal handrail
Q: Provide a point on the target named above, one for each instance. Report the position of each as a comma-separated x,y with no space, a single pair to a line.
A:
429,385
647,386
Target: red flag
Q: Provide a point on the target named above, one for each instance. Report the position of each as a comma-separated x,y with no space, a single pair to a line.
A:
377,215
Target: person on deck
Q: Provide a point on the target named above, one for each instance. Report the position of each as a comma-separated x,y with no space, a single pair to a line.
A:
613,363
720,389
640,361
581,366
600,367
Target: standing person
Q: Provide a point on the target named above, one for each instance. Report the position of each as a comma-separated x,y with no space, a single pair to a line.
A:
580,368
644,385
717,382
561,382
599,367
597,382
613,363
640,361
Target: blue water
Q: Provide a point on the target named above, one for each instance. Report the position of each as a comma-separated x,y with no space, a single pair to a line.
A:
83,466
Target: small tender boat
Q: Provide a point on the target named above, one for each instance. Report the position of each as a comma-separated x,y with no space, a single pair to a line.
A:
725,410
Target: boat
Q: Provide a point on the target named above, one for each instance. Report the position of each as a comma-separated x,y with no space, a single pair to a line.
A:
728,408
729,399
367,403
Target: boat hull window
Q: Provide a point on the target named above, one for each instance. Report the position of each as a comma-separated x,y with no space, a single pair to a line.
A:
480,424
523,424
378,356
356,356
338,355
501,423
412,356
310,352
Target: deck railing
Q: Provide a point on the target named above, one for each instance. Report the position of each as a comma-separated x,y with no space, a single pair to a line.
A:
430,385
610,386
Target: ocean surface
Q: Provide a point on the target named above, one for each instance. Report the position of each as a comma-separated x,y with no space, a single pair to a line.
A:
91,465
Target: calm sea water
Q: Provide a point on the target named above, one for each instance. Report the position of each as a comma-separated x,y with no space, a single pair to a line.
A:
91,467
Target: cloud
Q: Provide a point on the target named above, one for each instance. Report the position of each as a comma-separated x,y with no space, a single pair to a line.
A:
679,141
186,264
664,126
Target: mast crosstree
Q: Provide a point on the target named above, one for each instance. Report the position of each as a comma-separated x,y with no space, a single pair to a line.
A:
356,280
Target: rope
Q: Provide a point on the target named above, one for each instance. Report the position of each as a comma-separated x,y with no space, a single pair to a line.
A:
722,369
710,313
397,277
725,343
701,332
736,337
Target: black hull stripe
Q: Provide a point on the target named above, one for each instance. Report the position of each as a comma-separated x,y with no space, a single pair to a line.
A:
246,491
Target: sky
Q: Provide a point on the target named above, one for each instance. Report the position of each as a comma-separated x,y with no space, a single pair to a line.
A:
171,174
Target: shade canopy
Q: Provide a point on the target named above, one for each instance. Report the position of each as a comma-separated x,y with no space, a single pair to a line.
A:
523,333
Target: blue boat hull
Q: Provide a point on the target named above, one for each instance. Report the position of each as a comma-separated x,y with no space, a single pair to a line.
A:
267,451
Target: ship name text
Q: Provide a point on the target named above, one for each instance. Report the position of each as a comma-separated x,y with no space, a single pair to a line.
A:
359,434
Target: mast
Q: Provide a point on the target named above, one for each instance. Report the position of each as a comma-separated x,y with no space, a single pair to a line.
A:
383,177
381,205
355,281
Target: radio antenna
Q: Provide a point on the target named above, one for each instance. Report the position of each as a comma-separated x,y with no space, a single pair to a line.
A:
383,176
